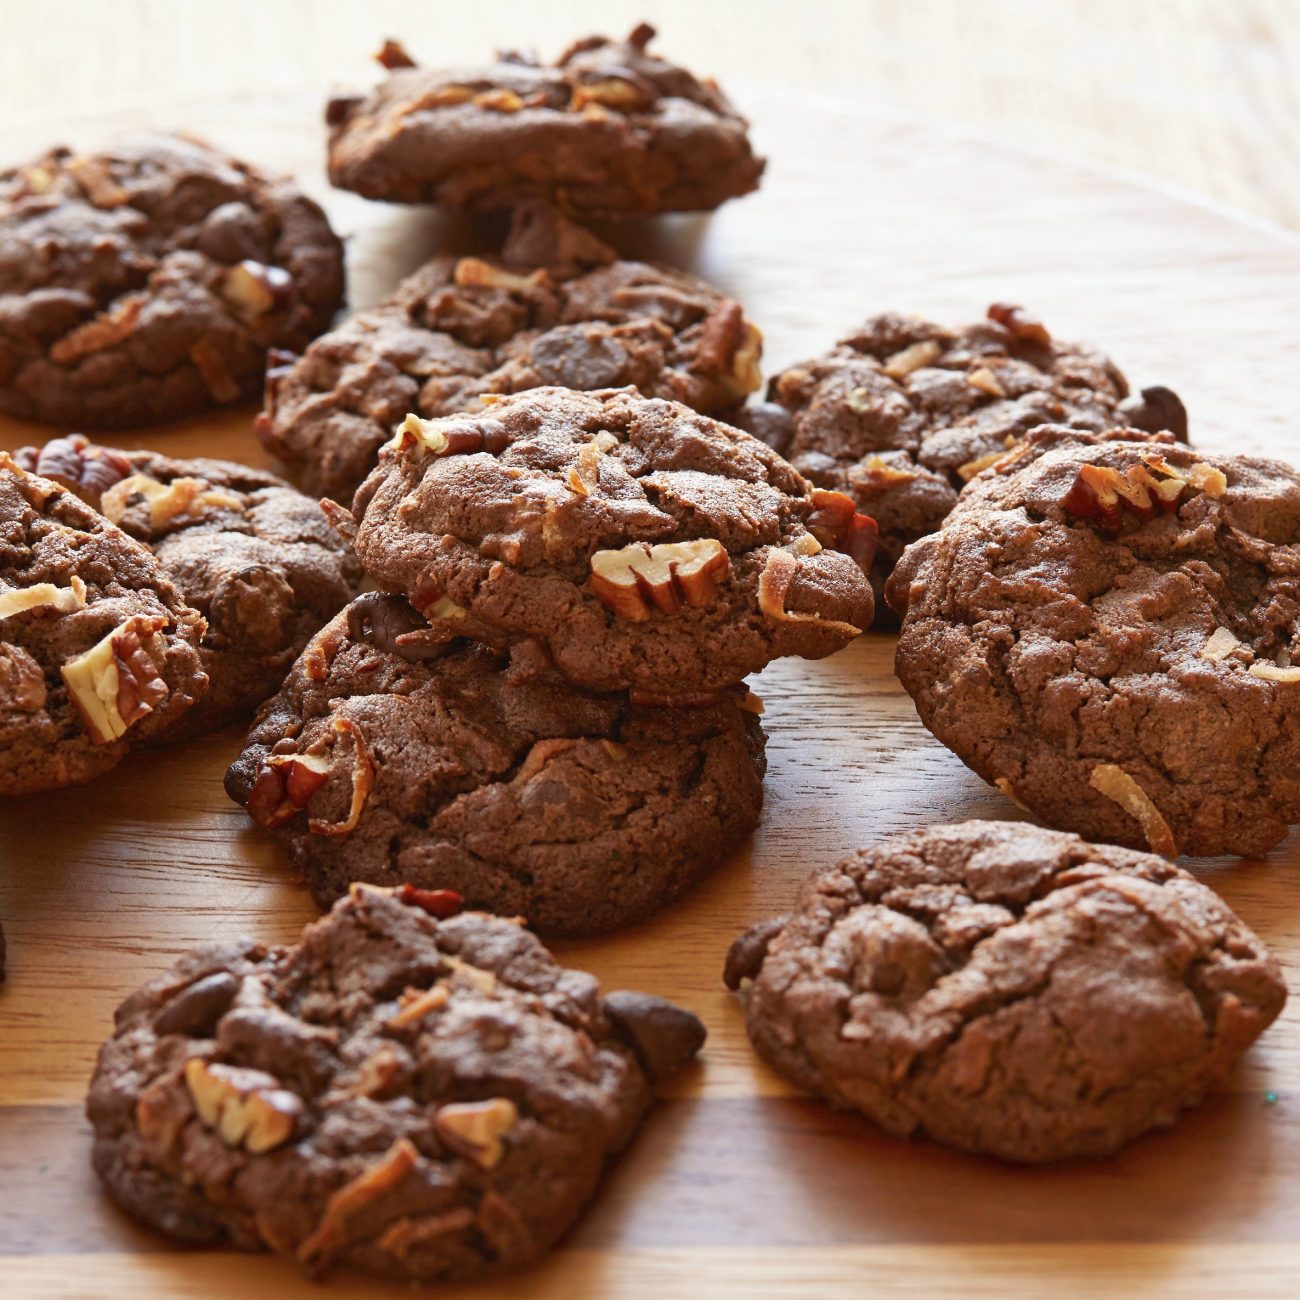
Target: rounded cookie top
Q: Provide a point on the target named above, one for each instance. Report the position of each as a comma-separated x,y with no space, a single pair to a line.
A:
390,758
98,651
255,557
644,545
416,1097
903,412
1007,990
608,130
462,328
1118,624
147,281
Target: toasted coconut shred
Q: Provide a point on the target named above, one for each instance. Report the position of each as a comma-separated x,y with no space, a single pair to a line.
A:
1115,783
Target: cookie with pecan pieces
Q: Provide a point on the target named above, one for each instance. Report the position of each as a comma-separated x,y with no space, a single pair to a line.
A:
902,413
1109,631
255,557
147,281
1007,990
98,650
608,130
557,308
389,757
408,1092
644,546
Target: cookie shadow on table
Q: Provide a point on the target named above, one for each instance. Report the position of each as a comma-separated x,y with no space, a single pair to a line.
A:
781,1171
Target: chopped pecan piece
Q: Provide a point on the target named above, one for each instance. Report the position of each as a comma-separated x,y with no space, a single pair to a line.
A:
1140,492
903,362
439,903
837,523
638,579
75,464
44,595
475,1129
254,290
392,54
247,1108
986,381
96,180
499,100
1019,323
613,87
450,436
116,683
1219,645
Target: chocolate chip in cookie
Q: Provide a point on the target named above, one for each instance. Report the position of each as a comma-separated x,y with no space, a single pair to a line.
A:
146,282
1108,628
98,650
1008,990
255,557
608,130
425,1099
393,757
646,547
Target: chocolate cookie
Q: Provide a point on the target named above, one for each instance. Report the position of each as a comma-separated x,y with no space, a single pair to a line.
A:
416,1097
461,328
255,557
388,758
609,130
98,651
1008,990
903,412
147,282
645,546
1106,629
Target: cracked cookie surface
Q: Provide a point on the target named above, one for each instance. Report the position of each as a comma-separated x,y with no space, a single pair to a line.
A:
902,412
644,545
98,650
1007,989
1108,631
389,758
146,282
255,557
415,1097
558,308
608,130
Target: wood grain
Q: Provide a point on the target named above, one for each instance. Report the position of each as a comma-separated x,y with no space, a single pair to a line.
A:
735,1183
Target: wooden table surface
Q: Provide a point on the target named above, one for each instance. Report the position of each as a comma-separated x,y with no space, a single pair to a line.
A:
735,1183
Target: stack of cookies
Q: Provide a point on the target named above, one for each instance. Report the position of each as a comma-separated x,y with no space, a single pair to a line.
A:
499,670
